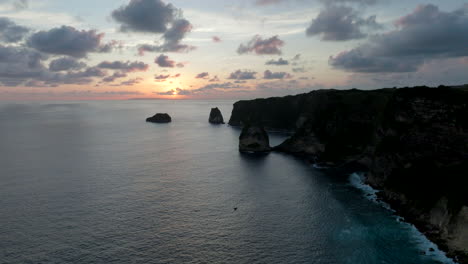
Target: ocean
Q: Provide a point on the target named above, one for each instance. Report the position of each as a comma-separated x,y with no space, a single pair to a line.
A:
92,182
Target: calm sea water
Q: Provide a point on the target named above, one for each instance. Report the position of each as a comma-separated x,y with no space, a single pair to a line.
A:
92,182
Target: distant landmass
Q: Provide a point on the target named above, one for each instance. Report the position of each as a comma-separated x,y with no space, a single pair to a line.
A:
411,143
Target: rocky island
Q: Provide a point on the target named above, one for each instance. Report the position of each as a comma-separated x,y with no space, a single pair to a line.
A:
159,118
216,117
411,143
254,139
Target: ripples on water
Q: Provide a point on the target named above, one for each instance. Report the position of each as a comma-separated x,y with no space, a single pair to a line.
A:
91,182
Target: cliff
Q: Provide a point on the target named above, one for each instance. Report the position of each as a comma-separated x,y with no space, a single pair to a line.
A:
411,142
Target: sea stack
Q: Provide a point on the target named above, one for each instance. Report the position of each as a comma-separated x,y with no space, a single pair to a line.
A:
254,139
159,118
216,117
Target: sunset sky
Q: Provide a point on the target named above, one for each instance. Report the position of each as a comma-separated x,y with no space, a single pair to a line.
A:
183,49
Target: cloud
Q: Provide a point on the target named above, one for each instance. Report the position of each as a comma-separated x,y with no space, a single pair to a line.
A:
268,2
214,79
172,39
15,4
154,16
204,89
136,66
216,39
11,32
425,34
174,36
131,82
203,75
66,64
276,75
299,70
340,23
242,75
114,77
361,2
66,41
259,46
170,92
164,61
150,16
162,77
20,4
109,47
279,62
21,65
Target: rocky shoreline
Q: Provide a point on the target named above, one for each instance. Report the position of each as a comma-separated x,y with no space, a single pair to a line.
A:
412,144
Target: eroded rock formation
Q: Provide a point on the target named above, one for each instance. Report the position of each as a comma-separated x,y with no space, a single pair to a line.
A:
159,118
254,139
216,117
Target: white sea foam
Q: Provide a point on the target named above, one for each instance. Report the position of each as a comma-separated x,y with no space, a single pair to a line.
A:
358,181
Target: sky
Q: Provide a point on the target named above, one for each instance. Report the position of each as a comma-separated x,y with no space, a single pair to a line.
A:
220,49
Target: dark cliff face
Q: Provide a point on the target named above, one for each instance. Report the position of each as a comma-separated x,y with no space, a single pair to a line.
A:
412,142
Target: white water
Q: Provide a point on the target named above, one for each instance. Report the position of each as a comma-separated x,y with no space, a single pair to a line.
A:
358,181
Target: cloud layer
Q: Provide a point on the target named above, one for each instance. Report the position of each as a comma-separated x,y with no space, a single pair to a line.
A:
426,34
340,23
260,46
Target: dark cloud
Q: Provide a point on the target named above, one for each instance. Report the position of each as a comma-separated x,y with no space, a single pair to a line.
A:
151,16
216,39
202,75
172,39
164,61
109,47
425,34
147,48
242,75
131,82
170,92
154,16
174,36
136,66
66,64
259,46
81,77
11,32
276,75
341,23
162,77
279,62
20,65
66,41
214,79
115,76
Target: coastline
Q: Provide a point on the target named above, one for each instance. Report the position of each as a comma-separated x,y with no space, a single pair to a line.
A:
405,140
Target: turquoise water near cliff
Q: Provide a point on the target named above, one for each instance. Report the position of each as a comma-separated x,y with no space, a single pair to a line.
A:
91,182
